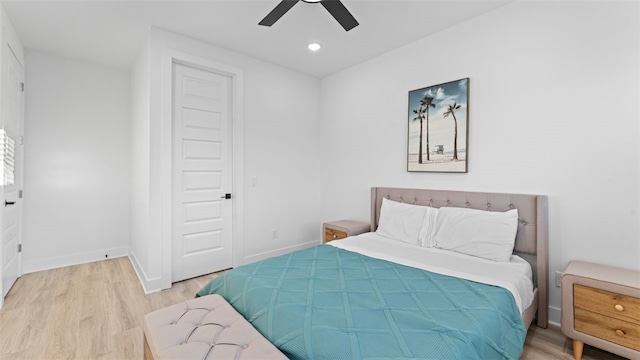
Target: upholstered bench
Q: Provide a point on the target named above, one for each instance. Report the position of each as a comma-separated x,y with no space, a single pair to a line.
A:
204,328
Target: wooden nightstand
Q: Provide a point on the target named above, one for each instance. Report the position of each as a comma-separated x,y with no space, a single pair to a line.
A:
337,230
601,307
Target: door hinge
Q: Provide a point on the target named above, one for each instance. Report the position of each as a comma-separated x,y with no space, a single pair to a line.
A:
21,140
19,248
19,194
22,86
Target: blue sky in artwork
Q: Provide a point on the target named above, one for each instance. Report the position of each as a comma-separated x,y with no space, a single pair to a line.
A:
441,129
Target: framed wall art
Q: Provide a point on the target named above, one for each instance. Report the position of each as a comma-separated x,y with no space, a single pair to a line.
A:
438,135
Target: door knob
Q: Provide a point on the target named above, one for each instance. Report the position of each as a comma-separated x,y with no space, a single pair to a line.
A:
226,196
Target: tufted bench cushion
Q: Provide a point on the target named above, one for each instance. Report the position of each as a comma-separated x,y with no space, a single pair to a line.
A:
204,328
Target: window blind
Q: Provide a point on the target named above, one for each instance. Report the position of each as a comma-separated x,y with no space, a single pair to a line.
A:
7,155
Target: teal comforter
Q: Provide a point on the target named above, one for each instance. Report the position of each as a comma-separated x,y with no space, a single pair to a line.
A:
329,303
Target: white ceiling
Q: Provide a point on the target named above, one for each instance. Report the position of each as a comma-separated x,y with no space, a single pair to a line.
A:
110,32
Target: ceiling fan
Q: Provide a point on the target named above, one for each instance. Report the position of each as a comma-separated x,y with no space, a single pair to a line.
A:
334,7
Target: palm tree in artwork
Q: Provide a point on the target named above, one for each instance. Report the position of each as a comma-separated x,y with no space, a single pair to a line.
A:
451,110
419,116
427,102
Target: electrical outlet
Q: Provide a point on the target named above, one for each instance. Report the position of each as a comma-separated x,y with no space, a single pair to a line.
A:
274,233
558,278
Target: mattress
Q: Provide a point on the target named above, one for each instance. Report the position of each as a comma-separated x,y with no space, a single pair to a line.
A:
328,302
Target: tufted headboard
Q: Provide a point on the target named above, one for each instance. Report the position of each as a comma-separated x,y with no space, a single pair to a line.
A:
532,236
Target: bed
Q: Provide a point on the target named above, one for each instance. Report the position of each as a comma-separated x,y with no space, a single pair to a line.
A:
372,297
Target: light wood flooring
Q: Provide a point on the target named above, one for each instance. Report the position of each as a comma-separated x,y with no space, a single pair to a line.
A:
95,311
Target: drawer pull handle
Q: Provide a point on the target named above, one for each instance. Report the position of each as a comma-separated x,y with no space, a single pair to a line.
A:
619,307
335,236
620,333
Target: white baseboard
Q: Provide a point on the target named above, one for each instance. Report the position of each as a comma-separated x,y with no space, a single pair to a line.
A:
54,262
265,255
555,314
149,285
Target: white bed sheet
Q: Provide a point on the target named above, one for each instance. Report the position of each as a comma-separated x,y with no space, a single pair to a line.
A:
515,276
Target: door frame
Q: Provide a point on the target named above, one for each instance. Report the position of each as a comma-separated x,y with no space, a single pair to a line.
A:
169,57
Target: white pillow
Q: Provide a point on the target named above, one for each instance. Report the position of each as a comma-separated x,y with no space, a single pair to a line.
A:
428,229
486,234
401,221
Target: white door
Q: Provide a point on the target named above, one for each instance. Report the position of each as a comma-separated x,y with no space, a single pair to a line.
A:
202,172
12,117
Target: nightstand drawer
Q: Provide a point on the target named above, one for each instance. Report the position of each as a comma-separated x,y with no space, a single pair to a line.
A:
332,234
607,303
607,328
336,230
590,293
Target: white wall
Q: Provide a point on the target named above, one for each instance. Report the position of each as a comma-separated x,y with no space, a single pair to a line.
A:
140,160
281,150
77,162
553,110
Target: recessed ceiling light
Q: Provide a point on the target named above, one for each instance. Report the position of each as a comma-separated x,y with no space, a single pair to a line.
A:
314,46
311,1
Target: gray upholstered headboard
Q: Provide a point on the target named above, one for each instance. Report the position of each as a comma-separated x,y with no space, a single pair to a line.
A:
532,236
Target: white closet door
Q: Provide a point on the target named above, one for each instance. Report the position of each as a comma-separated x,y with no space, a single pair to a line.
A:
12,118
202,172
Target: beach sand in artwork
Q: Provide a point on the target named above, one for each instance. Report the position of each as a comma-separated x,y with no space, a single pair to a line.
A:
438,162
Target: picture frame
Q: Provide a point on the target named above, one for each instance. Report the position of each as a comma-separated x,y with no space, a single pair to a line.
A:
438,128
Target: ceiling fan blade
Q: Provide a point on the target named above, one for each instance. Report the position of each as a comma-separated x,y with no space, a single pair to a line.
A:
340,13
277,12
